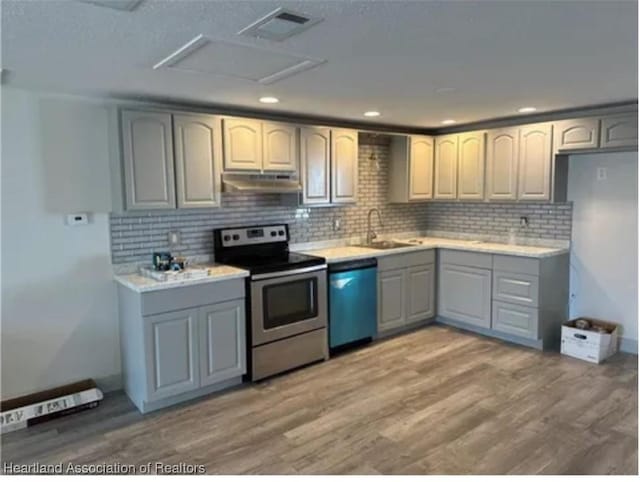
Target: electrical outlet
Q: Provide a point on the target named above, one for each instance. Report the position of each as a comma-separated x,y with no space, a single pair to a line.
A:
337,224
601,174
524,221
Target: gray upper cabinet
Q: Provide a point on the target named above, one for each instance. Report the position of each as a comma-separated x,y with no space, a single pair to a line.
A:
575,134
471,165
222,341
446,167
464,294
535,159
344,166
171,350
280,147
198,151
147,149
619,131
420,168
242,144
411,169
315,165
502,164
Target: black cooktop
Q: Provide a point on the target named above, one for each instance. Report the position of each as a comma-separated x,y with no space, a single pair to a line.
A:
271,263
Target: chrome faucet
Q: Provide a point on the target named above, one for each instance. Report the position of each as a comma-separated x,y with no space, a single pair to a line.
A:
371,234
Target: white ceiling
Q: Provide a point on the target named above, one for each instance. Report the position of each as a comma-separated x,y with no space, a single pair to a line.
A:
391,56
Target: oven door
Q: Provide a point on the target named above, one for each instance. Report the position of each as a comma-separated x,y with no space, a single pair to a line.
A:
288,303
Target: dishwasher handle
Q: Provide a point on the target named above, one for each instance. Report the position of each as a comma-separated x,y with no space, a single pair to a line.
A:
353,265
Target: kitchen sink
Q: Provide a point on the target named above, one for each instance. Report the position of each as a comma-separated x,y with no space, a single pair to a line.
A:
385,245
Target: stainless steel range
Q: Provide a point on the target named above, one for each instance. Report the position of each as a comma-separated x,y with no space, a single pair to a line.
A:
286,298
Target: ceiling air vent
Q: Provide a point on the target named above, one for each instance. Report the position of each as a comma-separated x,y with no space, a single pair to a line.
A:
279,25
127,5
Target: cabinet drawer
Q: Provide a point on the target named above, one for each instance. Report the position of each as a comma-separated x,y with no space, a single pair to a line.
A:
515,319
465,258
397,261
515,288
173,299
516,264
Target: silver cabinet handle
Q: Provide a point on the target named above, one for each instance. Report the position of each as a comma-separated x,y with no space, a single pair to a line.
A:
290,272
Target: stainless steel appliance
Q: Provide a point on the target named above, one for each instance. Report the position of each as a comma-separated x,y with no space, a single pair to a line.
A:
286,298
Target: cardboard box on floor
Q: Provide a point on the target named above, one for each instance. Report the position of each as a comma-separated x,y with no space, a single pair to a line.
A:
589,345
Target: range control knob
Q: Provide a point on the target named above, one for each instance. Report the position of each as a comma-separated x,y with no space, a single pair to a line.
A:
226,237
281,232
236,237
273,233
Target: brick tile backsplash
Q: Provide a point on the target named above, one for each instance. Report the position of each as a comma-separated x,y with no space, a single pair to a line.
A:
135,236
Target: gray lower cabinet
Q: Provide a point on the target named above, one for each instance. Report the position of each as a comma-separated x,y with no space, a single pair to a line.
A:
420,292
392,308
181,343
222,341
172,363
465,294
524,300
406,289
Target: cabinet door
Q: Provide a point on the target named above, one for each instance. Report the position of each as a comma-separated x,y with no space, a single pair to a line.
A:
420,292
502,164
575,134
315,165
198,154
420,168
534,167
619,131
465,294
171,352
242,144
471,159
515,319
280,147
222,342
148,160
391,299
446,167
344,166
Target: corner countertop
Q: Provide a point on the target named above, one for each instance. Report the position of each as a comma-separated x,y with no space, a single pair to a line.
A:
335,254
217,272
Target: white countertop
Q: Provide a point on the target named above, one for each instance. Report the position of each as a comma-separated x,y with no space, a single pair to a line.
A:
217,272
337,254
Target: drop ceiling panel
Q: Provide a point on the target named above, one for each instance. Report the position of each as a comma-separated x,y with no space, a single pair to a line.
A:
216,57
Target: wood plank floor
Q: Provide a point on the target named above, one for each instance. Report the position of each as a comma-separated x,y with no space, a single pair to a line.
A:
434,401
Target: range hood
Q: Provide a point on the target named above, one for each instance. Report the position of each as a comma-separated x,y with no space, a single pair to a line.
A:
279,184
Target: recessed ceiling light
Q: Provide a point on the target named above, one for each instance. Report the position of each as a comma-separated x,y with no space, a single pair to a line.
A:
445,90
525,110
448,122
372,113
269,100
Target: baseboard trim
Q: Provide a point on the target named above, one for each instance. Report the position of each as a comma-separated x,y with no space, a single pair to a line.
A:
629,345
110,383
536,344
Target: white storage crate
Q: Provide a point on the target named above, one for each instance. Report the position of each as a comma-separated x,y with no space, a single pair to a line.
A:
589,345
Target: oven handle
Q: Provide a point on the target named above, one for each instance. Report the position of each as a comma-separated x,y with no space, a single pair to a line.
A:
290,272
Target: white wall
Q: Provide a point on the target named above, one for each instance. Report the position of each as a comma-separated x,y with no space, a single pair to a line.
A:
59,314
604,240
